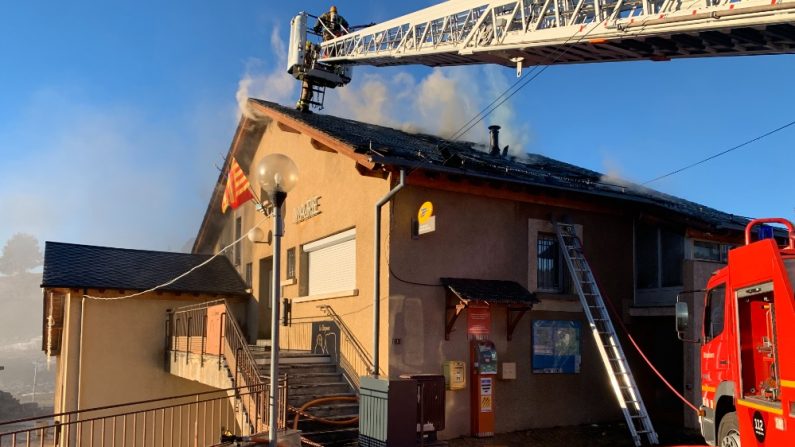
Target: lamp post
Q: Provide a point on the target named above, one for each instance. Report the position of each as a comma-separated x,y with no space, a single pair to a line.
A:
277,175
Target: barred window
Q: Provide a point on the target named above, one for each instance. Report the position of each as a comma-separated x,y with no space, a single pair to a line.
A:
548,267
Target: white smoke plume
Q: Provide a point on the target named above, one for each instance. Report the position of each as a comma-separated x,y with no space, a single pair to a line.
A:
441,103
275,84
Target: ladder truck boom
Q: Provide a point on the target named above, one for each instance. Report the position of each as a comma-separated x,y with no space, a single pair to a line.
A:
532,32
522,33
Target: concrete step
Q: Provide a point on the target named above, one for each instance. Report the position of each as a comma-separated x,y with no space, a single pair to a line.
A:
320,377
264,359
333,437
300,369
322,388
335,409
297,400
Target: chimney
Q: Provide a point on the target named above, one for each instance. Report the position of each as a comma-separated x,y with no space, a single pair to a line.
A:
494,140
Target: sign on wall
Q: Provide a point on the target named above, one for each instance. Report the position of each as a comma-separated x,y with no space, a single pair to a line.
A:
426,221
326,338
308,209
478,319
556,346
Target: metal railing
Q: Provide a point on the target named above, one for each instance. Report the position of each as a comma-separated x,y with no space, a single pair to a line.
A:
353,358
210,329
176,421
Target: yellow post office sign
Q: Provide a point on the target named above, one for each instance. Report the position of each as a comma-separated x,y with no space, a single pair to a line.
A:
425,212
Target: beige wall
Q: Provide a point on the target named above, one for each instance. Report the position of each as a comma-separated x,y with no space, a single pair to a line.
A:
113,351
484,238
347,200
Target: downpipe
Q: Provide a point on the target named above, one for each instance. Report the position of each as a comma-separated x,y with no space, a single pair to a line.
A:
377,270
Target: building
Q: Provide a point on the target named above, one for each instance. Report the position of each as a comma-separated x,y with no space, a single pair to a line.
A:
491,237
110,351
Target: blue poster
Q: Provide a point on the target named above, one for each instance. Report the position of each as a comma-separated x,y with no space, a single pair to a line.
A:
556,346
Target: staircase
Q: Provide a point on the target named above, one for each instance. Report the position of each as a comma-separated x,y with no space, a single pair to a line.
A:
312,377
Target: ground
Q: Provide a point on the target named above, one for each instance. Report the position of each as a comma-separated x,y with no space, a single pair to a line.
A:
601,435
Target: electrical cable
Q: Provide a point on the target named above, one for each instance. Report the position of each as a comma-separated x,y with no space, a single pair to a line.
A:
712,157
172,281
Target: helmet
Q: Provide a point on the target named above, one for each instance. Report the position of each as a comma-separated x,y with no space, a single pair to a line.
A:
333,9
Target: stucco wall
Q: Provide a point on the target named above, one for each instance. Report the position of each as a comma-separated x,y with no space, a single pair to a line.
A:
346,201
484,238
115,351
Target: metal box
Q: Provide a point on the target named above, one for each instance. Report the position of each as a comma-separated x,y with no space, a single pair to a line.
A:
387,412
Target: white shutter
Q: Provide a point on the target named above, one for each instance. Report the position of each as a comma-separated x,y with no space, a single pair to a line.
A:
332,263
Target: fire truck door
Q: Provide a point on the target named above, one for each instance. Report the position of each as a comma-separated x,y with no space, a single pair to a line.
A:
717,345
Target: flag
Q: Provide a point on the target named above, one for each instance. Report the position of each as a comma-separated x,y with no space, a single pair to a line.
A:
238,190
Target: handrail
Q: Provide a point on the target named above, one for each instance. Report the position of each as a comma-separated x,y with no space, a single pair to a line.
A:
233,348
359,349
207,413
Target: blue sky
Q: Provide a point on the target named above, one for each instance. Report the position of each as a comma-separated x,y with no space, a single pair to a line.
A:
113,118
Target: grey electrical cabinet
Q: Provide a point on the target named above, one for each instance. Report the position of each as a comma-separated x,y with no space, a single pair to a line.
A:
387,412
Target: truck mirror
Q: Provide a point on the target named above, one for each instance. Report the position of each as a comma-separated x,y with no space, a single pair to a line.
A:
682,318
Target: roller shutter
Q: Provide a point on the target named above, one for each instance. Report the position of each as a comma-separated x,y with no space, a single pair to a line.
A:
332,263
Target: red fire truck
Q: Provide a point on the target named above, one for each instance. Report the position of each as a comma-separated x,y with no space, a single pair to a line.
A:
748,344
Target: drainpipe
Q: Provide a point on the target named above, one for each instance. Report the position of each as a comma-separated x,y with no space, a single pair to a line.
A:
377,269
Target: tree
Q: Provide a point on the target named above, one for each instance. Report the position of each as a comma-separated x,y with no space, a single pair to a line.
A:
20,254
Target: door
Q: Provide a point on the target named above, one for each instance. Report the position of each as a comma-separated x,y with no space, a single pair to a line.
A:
717,343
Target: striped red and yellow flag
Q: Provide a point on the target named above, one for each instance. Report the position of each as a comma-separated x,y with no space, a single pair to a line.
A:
238,190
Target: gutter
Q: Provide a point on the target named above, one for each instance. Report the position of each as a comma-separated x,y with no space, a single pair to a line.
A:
377,269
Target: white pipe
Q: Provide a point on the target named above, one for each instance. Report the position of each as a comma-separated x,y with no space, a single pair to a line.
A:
377,269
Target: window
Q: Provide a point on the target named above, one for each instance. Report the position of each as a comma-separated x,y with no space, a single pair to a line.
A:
331,264
711,251
548,262
238,235
290,268
713,314
248,275
658,257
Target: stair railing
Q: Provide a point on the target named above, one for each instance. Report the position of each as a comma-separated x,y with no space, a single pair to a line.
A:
211,329
354,359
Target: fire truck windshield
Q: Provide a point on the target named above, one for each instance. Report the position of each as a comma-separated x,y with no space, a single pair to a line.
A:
790,265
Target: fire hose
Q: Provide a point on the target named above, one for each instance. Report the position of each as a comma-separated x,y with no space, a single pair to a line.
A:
617,318
302,412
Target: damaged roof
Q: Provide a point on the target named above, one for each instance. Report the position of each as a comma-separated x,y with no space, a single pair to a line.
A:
397,148
94,267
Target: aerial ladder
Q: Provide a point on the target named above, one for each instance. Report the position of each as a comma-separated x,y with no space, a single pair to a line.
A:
524,33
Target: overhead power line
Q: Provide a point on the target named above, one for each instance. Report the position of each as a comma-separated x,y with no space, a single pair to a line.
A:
712,157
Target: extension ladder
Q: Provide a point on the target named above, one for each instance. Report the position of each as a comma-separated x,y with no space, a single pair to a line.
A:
604,333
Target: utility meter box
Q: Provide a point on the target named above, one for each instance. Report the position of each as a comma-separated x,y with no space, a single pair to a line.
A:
455,373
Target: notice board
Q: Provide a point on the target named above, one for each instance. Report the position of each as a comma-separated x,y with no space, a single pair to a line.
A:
556,346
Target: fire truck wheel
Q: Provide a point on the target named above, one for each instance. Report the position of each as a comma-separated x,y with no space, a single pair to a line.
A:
728,431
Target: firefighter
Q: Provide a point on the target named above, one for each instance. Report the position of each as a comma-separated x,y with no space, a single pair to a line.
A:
331,24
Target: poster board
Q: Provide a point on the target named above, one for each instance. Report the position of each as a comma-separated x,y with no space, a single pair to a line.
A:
556,346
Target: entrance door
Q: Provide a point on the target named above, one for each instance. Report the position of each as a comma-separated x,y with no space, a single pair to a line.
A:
264,297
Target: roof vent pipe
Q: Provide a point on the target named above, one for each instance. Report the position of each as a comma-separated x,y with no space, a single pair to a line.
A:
494,140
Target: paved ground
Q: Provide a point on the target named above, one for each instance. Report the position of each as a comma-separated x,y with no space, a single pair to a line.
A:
602,435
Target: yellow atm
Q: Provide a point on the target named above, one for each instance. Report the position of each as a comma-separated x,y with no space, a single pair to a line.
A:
455,374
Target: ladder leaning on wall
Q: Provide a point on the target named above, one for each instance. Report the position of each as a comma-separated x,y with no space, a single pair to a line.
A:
605,336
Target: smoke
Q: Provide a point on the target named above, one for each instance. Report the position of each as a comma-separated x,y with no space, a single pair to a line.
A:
99,174
440,102
274,84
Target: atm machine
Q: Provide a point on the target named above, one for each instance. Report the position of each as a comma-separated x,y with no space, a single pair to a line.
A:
483,358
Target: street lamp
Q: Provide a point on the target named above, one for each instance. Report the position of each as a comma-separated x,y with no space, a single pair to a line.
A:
277,175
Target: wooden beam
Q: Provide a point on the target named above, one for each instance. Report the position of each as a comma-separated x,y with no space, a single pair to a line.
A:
453,309
513,316
320,146
454,183
287,128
